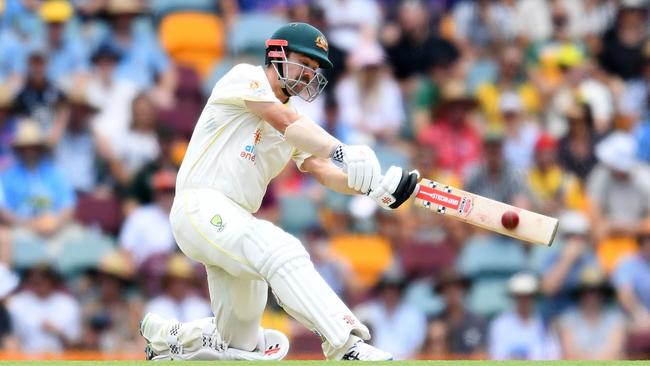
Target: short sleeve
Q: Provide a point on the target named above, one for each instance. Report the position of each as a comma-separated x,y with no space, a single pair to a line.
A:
299,157
623,275
243,83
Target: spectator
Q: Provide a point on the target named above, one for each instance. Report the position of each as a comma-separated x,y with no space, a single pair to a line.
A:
482,23
13,58
552,188
521,133
466,331
453,136
520,333
67,57
39,199
622,44
178,300
592,330
32,310
413,45
143,60
7,127
560,270
113,94
146,231
398,327
436,345
510,78
369,99
576,149
139,145
113,312
495,179
619,189
351,20
8,282
630,280
77,150
39,99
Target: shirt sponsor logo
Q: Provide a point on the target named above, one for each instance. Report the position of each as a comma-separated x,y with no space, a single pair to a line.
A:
248,153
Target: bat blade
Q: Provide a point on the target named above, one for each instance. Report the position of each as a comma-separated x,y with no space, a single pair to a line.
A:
484,212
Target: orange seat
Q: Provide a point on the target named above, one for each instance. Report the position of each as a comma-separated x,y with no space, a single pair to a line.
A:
369,255
193,38
611,251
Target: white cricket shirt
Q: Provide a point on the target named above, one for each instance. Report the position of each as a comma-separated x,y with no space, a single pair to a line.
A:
232,150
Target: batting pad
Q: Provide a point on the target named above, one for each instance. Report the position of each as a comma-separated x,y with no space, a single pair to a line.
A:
303,293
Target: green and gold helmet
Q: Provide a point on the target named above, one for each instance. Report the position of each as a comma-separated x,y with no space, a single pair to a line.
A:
304,39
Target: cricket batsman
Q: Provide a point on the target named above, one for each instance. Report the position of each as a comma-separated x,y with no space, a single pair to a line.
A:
246,134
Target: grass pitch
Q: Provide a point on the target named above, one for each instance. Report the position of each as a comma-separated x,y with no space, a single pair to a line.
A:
319,363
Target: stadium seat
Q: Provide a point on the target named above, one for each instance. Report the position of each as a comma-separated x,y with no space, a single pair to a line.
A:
488,296
369,255
104,213
199,50
420,259
249,34
160,8
83,254
297,213
182,116
491,254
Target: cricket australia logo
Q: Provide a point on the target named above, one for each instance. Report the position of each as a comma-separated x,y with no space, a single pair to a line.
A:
217,222
248,152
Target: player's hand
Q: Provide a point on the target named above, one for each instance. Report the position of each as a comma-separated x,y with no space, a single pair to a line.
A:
395,187
362,167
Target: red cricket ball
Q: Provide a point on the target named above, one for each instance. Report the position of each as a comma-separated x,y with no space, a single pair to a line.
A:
510,220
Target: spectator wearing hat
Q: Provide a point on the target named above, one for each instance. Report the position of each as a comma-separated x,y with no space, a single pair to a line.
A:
551,187
178,299
39,200
369,99
630,278
560,269
397,326
67,56
45,318
112,312
495,179
77,150
466,331
143,59
576,149
521,133
619,189
115,94
8,283
520,333
452,135
146,230
39,99
592,330
622,44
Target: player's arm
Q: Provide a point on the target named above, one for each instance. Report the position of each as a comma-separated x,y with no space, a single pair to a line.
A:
360,163
327,174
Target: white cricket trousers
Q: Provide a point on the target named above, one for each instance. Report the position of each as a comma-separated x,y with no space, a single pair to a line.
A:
244,255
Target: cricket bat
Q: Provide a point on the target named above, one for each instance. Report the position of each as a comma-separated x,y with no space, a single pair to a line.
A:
486,213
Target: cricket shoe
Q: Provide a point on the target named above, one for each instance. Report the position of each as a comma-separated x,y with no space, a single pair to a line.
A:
362,351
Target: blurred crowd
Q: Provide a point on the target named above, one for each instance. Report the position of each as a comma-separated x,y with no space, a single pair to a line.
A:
540,104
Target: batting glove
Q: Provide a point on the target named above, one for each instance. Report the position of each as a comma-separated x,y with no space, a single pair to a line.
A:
395,187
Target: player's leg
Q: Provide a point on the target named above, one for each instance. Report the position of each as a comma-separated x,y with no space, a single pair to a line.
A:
282,260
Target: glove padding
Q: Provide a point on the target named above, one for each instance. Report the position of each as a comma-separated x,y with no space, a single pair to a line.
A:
362,167
395,187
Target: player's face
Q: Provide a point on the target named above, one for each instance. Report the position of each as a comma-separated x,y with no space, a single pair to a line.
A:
301,77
